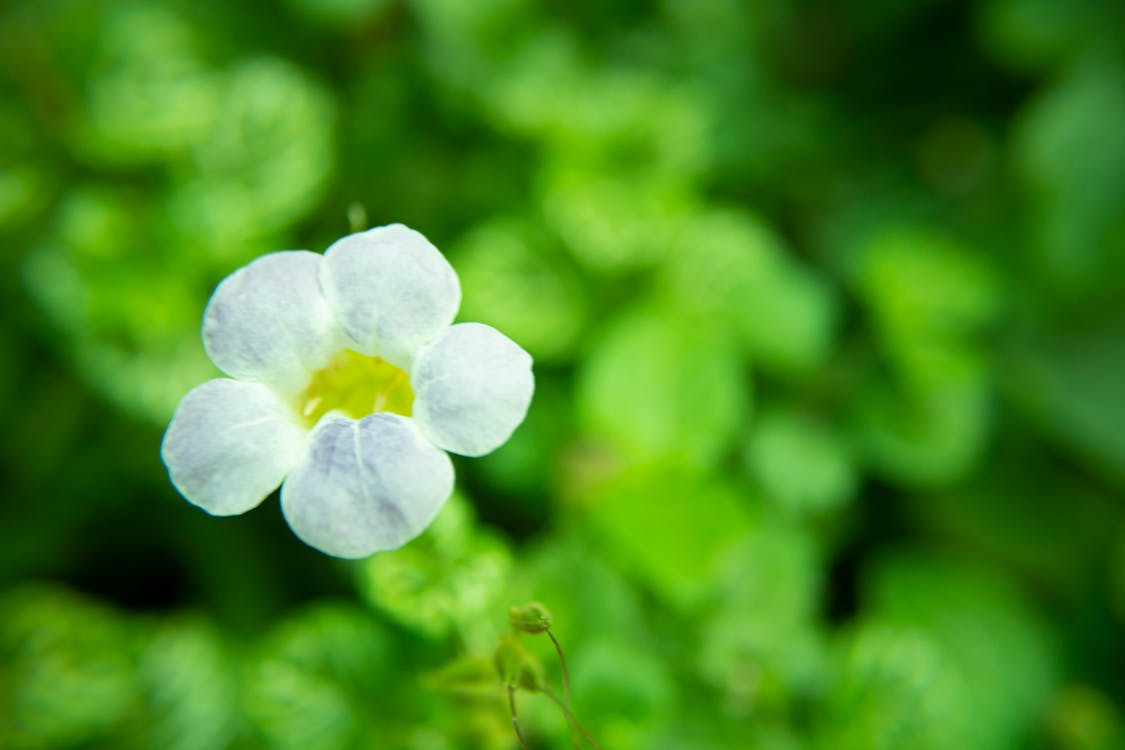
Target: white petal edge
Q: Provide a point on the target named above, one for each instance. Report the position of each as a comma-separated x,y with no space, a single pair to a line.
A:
268,322
229,445
392,290
472,388
366,486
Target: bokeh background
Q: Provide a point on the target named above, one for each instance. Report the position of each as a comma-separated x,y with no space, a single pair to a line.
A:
828,446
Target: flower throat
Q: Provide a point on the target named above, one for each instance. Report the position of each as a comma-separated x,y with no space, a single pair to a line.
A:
357,385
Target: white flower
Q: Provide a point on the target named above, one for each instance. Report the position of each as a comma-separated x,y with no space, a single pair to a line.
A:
349,384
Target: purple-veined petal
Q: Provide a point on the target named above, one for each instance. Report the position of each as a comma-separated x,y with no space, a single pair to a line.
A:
366,485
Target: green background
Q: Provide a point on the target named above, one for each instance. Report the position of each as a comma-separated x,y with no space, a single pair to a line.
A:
828,444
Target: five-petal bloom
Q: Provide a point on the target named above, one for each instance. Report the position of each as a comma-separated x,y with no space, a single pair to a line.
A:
349,384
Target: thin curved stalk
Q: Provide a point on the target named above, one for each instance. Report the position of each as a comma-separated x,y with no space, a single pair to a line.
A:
515,719
570,717
566,685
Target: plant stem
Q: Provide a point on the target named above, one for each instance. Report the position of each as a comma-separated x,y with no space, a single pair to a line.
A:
515,719
566,684
570,717
562,663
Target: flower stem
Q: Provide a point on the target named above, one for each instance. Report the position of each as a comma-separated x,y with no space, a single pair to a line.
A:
515,719
570,718
566,685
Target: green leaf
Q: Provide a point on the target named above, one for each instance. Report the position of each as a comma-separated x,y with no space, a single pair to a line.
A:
153,95
589,598
319,678
802,463
760,644
672,532
192,689
450,580
948,656
660,389
513,280
932,436
1072,158
924,289
613,223
262,167
616,681
129,327
68,669
1069,381
891,691
732,271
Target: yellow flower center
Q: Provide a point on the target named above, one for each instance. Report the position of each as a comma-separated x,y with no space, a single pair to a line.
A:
357,385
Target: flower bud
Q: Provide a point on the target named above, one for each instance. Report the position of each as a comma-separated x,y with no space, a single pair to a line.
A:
532,618
517,666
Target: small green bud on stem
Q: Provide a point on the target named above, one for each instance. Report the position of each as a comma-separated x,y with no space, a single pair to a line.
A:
517,666
531,618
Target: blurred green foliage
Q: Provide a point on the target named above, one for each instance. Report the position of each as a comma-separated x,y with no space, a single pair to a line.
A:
828,445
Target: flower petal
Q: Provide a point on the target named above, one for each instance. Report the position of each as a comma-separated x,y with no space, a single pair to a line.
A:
391,289
367,485
268,322
229,445
472,388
